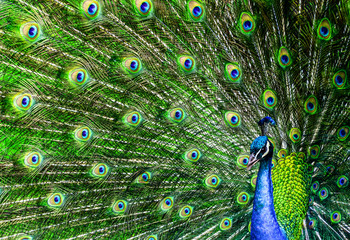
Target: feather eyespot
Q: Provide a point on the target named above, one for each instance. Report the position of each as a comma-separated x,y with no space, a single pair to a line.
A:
233,119
310,105
56,200
336,217
33,160
144,7
30,31
133,119
269,99
324,29
187,64
196,10
213,181
282,153
315,186
83,134
23,102
78,76
120,206
343,133
177,115
193,155
25,237
226,224
132,65
242,161
284,57
100,170
243,198
144,178
253,181
91,9
233,71
323,193
185,211
167,203
295,135
312,223
247,23
342,181
339,79
311,200
152,237
314,151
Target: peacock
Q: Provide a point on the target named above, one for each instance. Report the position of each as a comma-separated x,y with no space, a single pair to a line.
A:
174,119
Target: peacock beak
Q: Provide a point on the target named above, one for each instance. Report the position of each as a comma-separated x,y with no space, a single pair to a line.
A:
252,161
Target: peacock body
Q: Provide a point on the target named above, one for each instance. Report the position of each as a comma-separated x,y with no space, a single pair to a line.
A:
141,119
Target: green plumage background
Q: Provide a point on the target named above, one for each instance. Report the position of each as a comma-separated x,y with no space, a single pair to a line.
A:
149,160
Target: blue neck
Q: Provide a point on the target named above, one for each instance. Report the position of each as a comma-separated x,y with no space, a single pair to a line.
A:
264,222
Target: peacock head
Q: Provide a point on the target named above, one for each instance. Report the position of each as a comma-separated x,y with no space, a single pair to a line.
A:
259,150
261,147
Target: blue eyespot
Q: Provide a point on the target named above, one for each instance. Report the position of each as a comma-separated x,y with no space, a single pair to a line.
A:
244,197
197,11
214,180
57,199
323,192
341,181
168,202
187,210
270,100
284,59
35,158
101,169
145,177
313,152
234,119
310,223
121,205
80,76
234,73
245,161
335,215
178,114
25,101
144,7
324,31
295,136
247,25
310,106
85,133
188,63
338,80
226,223
33,31
92,9
342,132
134,118
314,185
283,155
194,155
134,65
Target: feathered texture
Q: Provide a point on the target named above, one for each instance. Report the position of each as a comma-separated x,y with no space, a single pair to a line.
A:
131,119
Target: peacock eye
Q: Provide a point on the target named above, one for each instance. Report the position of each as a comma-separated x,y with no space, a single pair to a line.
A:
91,9
120,206
30,31
144,7
187,63
196,10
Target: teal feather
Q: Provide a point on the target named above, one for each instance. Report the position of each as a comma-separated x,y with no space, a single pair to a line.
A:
105,102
